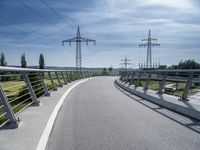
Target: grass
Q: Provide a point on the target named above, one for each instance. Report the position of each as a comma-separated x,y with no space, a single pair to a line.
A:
154,85
10,84
20,107
19,85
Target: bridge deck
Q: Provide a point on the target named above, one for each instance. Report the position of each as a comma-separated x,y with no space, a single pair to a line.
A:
34,119
99,116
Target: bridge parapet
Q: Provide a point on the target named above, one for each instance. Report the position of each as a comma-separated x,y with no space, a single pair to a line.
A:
187,76
23,87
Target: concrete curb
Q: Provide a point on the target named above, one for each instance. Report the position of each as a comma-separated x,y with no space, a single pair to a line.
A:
167,101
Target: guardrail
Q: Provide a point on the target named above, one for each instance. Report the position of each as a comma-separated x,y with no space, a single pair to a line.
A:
188,76
22,87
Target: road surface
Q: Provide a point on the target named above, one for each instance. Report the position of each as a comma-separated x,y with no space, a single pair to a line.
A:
98,116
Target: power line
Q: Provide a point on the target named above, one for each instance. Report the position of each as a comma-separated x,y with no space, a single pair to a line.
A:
13,28
19,29
55,12
41,16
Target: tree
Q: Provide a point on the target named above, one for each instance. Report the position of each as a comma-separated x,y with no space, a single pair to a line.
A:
187,64
3,63
23,61
41,62
110,69
3,60
104,72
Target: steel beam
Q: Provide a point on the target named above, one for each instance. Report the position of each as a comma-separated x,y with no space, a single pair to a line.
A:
52,81
65,81
139,77
147,81
59,82
162,83
31,91
43,84
184,96
13,123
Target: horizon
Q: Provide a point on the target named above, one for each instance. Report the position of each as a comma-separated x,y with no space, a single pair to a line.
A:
118,28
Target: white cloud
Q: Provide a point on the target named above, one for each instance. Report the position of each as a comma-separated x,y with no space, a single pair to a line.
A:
178,4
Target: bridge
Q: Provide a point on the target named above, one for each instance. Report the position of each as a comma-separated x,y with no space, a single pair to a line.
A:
67,109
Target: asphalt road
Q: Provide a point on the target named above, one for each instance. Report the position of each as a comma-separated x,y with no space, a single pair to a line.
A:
98,116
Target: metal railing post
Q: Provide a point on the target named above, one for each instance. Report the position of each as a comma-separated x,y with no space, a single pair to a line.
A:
43,84
75,75
79,74
138,80
65,81
184,96
90,73
71,76
59,82
127,76
8,109
147,81
31,91
162,83
80,77
132,77
83,74
123,74
52,81
68,76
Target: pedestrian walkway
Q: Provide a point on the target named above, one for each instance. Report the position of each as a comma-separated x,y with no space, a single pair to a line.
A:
33,121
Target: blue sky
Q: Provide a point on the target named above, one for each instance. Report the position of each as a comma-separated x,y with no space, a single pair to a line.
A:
117,25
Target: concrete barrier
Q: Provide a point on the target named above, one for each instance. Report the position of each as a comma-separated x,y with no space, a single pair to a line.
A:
168,101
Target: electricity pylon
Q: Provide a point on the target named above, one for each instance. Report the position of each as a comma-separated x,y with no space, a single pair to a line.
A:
149,46
78,39
125,63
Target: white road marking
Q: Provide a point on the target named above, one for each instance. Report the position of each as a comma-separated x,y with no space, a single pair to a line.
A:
47,130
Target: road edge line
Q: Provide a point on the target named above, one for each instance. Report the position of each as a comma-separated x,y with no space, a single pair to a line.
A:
47,130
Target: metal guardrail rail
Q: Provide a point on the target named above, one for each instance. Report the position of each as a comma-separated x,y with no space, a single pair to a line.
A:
22,87
187,76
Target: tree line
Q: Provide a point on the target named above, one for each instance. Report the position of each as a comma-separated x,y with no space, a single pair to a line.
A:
41,61
186,64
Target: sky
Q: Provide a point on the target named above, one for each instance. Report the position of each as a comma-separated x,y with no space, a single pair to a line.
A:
117,25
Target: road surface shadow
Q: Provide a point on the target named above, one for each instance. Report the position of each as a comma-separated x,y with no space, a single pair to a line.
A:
189,123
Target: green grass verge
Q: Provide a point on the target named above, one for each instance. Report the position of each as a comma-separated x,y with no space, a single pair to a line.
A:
154,85
16,90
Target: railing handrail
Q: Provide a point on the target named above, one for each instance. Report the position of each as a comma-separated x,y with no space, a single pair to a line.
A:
189,76
165,70
18,69
37,83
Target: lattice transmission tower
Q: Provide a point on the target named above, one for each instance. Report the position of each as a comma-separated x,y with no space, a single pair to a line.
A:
125,63
149,46
78,39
